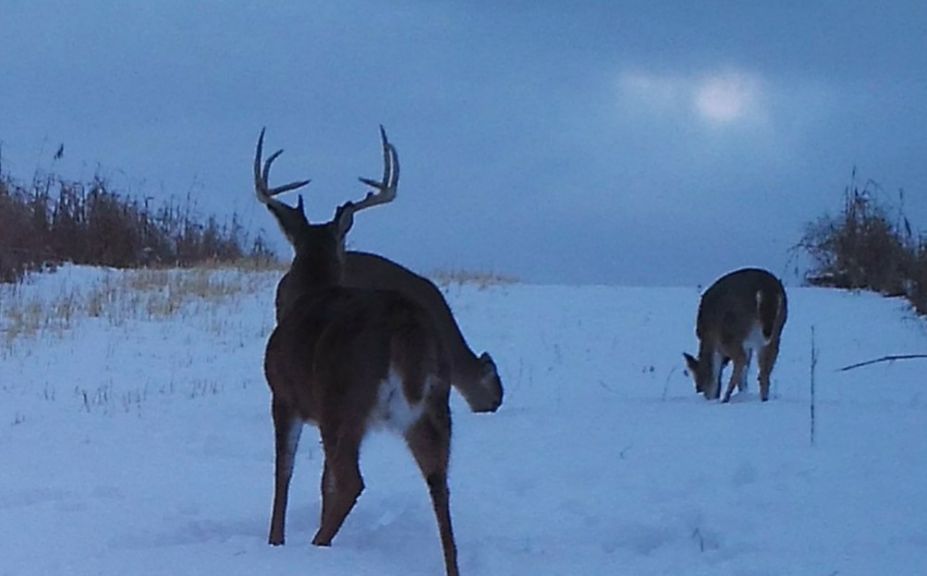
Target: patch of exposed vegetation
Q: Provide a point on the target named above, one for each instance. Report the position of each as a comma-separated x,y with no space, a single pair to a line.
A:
482,280
869,245
51,220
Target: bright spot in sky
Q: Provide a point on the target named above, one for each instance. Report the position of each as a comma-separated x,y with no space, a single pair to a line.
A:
719,98
727,97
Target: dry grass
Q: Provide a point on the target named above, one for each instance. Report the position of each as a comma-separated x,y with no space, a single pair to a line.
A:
52,220
26,317
482,280
119,297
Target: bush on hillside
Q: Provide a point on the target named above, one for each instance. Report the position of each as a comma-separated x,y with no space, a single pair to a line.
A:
866,248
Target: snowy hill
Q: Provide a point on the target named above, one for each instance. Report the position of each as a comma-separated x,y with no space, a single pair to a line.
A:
135,438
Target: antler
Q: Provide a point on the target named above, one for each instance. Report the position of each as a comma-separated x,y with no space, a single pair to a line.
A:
265,194
386,188
290,219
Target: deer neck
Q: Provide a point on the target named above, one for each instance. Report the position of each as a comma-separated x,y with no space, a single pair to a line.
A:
314,273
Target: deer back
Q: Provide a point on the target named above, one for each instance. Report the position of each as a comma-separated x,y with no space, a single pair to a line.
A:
371,271
747,305
475,376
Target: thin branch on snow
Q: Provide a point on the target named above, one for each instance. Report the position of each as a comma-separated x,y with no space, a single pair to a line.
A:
890,358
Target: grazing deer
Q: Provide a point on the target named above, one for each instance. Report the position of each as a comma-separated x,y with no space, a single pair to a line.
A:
475,377
742,312
348,359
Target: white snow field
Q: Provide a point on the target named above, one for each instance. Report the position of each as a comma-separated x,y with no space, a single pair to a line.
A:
137,441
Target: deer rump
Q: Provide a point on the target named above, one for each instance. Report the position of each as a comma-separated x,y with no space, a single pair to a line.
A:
329,342
720,306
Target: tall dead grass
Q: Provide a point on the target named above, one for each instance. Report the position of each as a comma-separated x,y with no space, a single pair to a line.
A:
869,245
51,220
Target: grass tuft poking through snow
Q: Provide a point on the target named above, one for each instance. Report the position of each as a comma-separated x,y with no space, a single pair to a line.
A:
49,304
482,280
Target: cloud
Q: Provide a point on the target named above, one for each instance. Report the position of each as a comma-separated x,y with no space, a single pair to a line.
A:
724,97
728,97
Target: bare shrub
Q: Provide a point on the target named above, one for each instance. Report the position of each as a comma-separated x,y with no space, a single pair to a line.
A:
865,248
52,220
917,276
17,250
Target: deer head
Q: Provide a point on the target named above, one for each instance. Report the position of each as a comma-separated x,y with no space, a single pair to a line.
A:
320,247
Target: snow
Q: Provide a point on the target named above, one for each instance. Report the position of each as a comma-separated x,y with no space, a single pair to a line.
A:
141,443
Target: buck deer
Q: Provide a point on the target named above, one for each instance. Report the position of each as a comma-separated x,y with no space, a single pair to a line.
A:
347,359
742,312
475,377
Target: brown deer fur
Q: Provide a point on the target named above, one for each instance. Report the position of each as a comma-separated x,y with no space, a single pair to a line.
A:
347,359
475,377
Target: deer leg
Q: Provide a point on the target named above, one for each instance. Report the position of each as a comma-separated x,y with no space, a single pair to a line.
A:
718,364
740,365
429,440
767,359
742,385
327,485
342,483
287,429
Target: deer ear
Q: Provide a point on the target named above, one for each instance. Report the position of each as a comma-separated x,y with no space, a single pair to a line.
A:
344,218
487,364
691,363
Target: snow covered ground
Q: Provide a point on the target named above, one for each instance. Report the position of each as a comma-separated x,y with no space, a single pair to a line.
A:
138,441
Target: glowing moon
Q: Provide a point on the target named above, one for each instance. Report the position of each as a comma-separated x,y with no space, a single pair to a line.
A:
726,98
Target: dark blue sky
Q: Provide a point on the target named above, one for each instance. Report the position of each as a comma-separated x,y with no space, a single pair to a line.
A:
614,142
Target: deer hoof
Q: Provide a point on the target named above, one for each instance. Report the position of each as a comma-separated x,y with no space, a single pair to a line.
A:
319,541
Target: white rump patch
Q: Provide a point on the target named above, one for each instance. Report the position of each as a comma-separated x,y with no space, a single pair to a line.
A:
755,339
393,409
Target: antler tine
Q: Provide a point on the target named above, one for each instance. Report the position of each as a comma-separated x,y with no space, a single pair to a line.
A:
265,194
386,188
